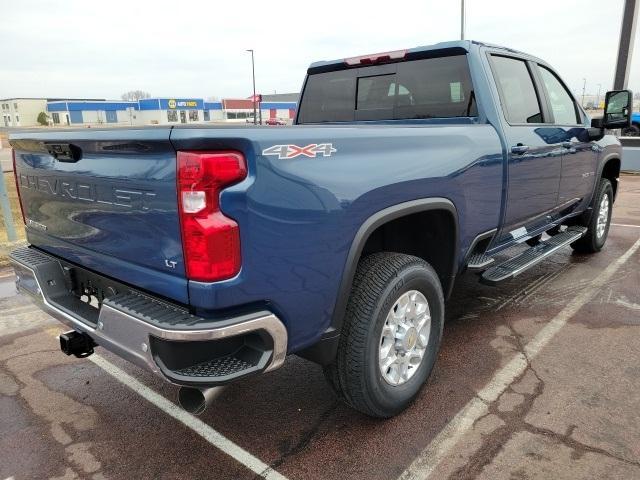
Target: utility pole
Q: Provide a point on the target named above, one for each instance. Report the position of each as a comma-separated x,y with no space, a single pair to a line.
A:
253,73
462,18
584,86
625,48
598,97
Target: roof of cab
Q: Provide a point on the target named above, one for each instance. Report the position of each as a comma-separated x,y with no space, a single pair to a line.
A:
456,45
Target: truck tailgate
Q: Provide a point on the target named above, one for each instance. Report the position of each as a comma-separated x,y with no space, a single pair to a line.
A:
105,199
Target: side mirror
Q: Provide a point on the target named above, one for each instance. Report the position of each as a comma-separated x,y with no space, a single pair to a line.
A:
617,109
594,133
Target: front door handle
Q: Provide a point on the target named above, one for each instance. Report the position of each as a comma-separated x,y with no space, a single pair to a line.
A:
569,146
519,149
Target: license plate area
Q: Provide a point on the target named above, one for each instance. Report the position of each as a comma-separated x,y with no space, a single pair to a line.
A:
89,288
63,286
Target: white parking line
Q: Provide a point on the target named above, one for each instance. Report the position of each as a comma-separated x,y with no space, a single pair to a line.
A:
198,426
625,225
424,465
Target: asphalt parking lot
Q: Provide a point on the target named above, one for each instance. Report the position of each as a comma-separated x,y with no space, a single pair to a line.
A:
537,378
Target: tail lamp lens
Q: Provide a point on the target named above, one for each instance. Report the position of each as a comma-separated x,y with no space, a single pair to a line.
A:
210,240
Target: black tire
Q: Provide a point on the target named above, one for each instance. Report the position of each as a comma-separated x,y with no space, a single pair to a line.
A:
591,242
380,280
632,131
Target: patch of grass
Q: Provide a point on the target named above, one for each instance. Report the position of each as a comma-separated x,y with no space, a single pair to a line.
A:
15,210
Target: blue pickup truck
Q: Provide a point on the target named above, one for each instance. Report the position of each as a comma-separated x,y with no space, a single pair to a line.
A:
209,253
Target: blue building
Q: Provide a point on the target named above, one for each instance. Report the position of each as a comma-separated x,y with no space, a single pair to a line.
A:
164,111
157,111
92,112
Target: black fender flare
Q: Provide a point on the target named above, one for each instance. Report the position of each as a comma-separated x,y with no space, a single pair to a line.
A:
585,217
369,226
325,349
606,159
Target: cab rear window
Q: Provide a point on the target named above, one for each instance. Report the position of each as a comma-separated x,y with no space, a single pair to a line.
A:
428,88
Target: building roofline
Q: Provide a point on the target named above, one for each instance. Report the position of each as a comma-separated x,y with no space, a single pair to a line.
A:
91,101
56,99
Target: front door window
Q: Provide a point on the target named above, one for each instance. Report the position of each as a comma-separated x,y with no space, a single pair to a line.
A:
562,105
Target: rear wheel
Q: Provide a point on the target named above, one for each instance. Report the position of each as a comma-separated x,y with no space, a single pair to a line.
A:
391,335
598,226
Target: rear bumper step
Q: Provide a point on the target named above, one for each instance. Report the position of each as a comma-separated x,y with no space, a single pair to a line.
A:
162,337
531,256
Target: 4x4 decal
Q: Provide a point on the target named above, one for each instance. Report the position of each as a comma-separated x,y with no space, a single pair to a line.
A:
292,151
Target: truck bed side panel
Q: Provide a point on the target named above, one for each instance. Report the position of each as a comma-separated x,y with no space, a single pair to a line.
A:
298,216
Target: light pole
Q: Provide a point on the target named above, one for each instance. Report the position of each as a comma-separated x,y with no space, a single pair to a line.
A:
598,97
625,47
462,15
584,86
253,73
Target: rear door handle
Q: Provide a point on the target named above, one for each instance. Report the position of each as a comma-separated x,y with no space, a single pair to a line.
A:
519,149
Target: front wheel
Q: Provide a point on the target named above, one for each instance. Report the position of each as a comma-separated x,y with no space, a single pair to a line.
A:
391,335
632,131
598,226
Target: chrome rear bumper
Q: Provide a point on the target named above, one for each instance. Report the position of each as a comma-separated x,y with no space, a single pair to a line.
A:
155,334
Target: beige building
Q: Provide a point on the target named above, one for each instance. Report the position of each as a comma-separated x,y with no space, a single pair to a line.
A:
21,112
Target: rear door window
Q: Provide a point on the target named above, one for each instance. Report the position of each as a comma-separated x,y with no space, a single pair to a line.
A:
436,87
427,88
518,95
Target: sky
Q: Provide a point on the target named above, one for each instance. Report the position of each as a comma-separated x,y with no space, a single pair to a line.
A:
84,48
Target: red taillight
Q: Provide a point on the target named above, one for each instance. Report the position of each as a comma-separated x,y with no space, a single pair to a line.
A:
210,240
15,176
376,58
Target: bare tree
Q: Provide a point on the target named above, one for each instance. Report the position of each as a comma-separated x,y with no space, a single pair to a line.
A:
135,95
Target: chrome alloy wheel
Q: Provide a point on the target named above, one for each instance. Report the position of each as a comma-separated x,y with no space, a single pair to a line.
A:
603,216
404,338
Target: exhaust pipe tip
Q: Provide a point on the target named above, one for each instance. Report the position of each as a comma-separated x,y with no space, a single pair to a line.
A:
196,400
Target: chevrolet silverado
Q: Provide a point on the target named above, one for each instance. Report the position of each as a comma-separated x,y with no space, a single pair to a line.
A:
209,253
